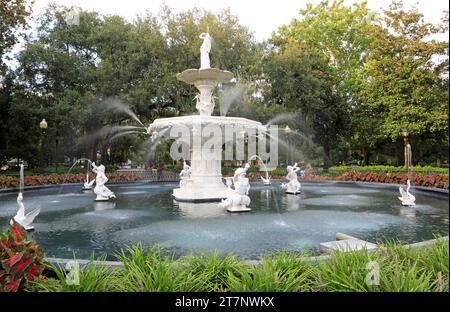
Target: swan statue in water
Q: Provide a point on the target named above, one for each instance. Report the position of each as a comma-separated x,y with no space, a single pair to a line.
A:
266,180
87,184
407,198
23,219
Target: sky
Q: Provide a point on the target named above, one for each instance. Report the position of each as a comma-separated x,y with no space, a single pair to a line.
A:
260,16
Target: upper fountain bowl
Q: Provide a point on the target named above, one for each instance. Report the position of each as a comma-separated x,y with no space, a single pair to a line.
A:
191,76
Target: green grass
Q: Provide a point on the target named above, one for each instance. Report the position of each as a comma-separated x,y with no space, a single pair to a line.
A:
153,269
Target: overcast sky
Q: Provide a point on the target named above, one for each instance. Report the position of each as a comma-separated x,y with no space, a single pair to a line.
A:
261,16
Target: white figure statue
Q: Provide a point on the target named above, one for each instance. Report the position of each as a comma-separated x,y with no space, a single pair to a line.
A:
205,48
407,198
293,186
23,219
205,102
102,192
185,174
239,200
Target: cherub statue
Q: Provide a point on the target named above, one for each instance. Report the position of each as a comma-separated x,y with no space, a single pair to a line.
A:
239,200
185,174
102,192
293,186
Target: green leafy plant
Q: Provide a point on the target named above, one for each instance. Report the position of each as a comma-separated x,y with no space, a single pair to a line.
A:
93,277
21,259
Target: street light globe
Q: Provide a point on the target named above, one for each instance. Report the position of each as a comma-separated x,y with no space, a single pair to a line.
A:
287,130
43,124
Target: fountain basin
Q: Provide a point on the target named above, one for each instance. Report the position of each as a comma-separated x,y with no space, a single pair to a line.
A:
214,75
206,182
144,212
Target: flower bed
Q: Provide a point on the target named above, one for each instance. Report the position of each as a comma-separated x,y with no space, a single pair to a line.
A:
419,179
338,170
9,182
427,180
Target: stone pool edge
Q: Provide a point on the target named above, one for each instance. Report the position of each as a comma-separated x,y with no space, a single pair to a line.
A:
62,262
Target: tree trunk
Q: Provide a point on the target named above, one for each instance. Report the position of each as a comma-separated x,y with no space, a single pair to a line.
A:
327,161
366,157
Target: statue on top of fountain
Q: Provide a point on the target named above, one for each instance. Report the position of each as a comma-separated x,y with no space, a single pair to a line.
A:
185,174
205,48
239,200
102,192
205,79
293,186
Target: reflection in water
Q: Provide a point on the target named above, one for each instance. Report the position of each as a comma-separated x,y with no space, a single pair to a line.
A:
104,205
200,210
292,202
407,212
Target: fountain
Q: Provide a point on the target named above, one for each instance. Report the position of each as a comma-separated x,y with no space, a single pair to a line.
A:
25,220
205,181
406,197
87,186
103,193
266,180
238,200
293,186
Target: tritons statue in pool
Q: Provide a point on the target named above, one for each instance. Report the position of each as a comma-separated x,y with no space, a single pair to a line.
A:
407,198
103,193
293,186
23,219
185,175
239,200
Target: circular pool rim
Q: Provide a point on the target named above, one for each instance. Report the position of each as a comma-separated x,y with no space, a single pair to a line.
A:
63,261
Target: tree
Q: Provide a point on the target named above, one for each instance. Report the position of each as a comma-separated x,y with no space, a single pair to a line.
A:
298,81
72,74
404,83
13,15
337,36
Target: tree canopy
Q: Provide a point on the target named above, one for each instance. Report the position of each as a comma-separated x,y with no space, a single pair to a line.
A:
349,79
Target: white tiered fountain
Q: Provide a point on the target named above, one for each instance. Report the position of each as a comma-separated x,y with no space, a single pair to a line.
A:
205,182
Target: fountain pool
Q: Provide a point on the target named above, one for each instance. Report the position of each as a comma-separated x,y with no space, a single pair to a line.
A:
145,212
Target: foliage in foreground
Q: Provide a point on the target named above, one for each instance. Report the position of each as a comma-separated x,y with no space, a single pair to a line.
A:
21,260
401,269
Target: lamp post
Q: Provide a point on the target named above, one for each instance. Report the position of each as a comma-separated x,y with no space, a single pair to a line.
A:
288,131
405,134
43,125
